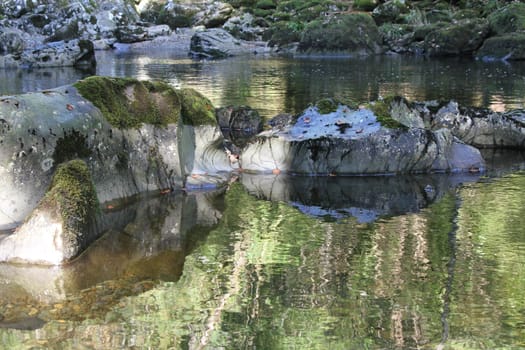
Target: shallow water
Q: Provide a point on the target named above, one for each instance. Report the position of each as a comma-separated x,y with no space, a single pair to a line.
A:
273,262
277,85
291,263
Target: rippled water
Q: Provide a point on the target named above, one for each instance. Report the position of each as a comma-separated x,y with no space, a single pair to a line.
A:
273,262
283,263
277,85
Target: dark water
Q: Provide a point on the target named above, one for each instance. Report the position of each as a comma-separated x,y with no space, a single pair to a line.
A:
276,85
273,262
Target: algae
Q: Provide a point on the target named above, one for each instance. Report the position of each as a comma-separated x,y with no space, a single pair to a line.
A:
128,103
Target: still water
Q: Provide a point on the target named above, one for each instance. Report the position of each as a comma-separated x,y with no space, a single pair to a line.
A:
277,85
273,262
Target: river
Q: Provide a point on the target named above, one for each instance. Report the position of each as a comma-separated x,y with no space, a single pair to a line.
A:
277,262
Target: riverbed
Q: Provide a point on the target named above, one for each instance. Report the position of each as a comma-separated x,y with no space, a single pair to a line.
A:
278,262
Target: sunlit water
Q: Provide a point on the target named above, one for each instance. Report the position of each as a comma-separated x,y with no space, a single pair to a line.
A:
413,262
277,85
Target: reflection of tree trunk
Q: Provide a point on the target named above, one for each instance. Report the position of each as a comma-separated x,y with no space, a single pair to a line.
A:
239,266
451,269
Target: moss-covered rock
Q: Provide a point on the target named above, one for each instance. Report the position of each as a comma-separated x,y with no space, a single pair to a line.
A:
354,33
390,11
381,109
196,109
510,46
510,18
128,103
73,197
457,39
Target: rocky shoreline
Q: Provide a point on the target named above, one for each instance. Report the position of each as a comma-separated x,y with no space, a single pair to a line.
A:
49,34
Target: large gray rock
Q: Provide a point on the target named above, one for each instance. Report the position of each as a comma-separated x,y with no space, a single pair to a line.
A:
461,38
504,47
218,43
168,140
78,53
481,128
353,142
214,15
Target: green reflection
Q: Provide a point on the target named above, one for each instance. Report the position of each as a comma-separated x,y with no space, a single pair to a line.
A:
269,277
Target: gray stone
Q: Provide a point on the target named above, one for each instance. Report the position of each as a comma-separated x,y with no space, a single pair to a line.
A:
218,43
318,144
79,53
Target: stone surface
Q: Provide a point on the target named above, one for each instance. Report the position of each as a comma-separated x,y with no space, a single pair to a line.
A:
461,38
218,43
40,130
504,47
353,142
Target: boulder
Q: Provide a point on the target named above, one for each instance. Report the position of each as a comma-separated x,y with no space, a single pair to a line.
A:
508,19
461,38
349,141
504,47
244,27
218,43
239,123
390,11
479,127
135,137
352,34
482,128
62,225
78,53
214,15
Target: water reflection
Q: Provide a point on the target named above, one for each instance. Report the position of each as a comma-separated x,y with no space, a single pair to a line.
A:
365,198
248,272
276,85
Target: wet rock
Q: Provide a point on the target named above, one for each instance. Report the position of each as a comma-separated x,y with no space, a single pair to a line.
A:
214,15
62,225
354,142
244,27
218,43
239,123
461,38
478,127
78,53
135,137
504,47
355,34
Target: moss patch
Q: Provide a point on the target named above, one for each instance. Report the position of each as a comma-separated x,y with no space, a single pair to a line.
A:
381,110
196,109
128,103
330,105
73,195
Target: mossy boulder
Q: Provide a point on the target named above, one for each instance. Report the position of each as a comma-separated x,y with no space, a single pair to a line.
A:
390,11
461,38
62,225
510,46
510,18
196,109
129,103
354,33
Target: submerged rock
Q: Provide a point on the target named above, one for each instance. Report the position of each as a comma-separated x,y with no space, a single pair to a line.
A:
355,142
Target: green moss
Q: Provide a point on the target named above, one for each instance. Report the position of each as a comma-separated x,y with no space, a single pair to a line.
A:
196,109
510,18
365,5
330,105
349,32
265,4
128,103
381,109
73,194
